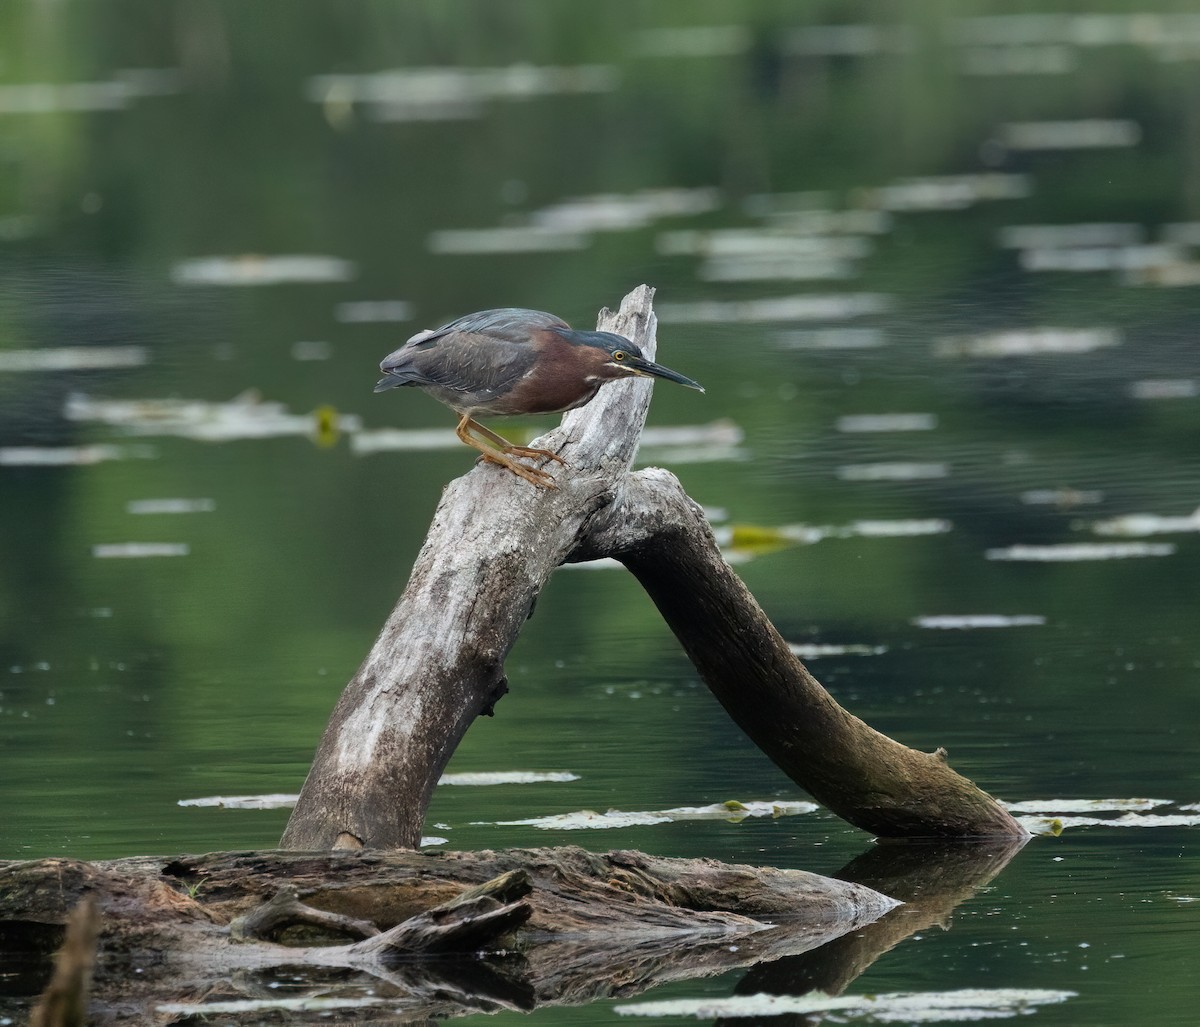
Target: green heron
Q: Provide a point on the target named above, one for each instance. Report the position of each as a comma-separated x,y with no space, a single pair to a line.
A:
514,361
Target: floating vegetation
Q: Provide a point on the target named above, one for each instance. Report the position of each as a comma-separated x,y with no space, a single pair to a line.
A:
587,819
970,621
383,440
1082,134
818,650
676,455
1065,498
1133,260
1056,807
692,444
682,443
892,529
170,506
278,800
327,426
620,212
801,307
282,800
372,311
1055,237
887,1007
1182,233
139,550
831,338
811,213
247,416
886,422
748,254
1171,274
855,221
72,358
1078,30
751,539
590,820
113,94
892,471
517,239
255,269
507,777
1028,342
452,93
1056,825
1141,524
765,267
65,456
1071,551
948,192
1165,388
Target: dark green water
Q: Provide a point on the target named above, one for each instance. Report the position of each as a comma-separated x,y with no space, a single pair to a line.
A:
857,211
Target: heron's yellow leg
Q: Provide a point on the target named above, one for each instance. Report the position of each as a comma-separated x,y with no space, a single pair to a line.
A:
499,454
506,446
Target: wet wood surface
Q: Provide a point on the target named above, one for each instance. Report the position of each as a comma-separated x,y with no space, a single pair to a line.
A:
544,926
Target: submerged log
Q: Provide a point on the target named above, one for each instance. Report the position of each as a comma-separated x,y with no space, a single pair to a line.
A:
492,546
552,925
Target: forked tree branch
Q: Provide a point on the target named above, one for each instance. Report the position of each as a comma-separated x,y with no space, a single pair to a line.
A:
492,546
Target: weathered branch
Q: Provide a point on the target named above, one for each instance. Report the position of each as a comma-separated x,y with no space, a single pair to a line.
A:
286,910
477,918
439,661
494,543
863,776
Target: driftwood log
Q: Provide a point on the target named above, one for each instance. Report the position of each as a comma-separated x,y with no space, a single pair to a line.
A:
211,935
549,926
493,544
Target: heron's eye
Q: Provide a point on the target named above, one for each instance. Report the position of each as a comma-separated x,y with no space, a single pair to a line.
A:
618,354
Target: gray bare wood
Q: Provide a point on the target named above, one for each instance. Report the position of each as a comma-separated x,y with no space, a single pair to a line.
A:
493,544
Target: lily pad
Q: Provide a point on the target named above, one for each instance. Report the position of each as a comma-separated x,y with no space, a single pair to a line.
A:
895,1007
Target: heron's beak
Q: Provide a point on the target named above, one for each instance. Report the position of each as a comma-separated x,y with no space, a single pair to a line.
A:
649,369
388,382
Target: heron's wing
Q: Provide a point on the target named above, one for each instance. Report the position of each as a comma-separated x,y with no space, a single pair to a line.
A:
481,353
511,324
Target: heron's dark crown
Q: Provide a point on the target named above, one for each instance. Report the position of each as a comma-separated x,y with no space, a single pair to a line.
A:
607,341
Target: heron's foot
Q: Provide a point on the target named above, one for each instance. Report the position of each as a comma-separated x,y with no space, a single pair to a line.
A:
533,475
496,449
526,451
